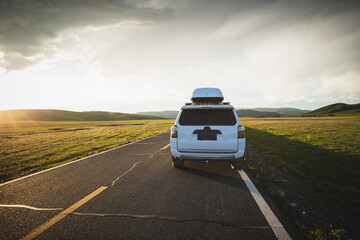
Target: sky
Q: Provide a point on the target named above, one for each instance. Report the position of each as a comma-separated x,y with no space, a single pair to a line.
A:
132,56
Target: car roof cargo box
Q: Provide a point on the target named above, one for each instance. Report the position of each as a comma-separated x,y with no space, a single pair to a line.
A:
202,95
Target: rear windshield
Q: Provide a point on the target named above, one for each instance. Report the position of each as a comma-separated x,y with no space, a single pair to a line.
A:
214,117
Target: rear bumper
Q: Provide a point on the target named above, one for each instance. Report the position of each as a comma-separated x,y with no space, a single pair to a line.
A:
207,156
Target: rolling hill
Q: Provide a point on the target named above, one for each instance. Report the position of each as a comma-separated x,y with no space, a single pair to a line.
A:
171,114
337,109
62,115
284,111
255,113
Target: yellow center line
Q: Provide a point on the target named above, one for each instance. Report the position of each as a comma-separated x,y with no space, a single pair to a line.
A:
166,146
71,209
63,214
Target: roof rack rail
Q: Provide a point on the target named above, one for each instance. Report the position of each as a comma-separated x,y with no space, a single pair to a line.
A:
207,103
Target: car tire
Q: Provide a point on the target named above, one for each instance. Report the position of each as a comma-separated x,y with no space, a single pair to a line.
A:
177,163
237,164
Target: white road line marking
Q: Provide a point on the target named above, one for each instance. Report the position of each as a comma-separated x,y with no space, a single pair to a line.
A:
276,226
49,169
30,207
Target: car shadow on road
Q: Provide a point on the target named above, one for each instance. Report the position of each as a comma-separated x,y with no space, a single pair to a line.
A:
218,172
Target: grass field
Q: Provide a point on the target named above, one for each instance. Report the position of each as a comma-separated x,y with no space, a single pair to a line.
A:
323,151
319,161
28,146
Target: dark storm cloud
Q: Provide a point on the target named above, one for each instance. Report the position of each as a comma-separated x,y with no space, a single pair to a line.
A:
280,12
333,25
28,26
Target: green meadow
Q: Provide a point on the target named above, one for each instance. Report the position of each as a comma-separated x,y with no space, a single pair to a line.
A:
324,151
31,146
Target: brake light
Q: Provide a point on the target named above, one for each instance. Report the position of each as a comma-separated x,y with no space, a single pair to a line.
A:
174,131
241,132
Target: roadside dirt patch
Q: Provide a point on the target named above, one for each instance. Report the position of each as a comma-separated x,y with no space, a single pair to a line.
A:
68,129
315,217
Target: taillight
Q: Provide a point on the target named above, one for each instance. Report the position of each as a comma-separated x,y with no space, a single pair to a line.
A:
241,131
174,131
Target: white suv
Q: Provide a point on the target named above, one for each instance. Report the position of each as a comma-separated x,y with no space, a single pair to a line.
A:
207,130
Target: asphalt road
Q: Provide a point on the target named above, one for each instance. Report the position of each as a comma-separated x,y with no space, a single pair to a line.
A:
132,192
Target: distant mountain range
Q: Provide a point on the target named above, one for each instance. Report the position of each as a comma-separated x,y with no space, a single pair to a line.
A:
253,112
283,111
337,109
62,115
256,113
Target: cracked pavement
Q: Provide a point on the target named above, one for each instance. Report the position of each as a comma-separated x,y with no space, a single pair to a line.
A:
145,198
